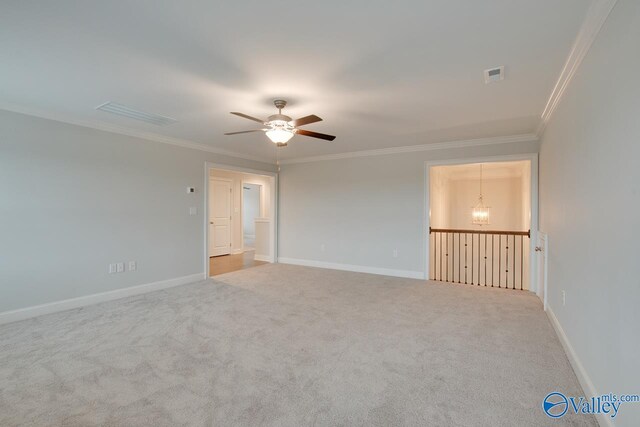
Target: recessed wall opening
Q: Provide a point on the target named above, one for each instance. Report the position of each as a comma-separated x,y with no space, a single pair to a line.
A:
479,224
251,210
240,220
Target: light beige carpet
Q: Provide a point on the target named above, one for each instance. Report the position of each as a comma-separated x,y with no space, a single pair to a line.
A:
289,346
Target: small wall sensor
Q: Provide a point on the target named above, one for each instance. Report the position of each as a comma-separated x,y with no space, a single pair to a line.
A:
191,190
493,75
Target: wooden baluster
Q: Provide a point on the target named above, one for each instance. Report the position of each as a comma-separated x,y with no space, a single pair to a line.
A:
465,258
499,260
506,263
440,257
514,261
459,258
479,255
447,259
492,259
485,260
472,259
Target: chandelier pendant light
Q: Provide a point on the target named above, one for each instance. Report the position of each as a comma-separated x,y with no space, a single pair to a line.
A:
480,212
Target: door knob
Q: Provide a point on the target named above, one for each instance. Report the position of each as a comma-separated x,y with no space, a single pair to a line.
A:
211,222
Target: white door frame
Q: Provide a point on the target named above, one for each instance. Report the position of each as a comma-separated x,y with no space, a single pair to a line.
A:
543,243
533,158
273,211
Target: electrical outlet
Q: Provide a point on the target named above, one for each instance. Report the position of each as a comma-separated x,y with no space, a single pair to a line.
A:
193,210
120,267
322,247
113,268
564,298
132,266
395,253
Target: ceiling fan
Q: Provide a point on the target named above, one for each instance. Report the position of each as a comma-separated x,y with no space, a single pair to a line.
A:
280,128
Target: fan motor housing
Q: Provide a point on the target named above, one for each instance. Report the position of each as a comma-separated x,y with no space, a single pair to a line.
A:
279,117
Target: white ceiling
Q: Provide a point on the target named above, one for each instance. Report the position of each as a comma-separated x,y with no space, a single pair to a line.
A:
380,73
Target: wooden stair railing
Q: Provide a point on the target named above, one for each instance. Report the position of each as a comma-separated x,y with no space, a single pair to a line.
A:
479,257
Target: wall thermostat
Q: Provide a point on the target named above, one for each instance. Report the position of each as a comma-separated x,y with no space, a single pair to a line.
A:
191,190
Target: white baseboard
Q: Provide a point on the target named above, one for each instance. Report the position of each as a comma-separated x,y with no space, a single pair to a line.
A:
356,268
265,258
68,304
584,379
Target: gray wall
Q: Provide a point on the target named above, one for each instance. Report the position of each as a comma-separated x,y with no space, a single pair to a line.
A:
590,204
73,200
363,208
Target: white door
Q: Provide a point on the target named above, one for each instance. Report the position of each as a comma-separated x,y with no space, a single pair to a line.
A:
219,217
541,252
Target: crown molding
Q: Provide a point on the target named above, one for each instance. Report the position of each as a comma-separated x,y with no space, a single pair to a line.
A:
203,147
416,148
149,136
596,16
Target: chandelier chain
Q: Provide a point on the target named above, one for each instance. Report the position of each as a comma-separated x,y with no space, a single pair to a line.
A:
481,181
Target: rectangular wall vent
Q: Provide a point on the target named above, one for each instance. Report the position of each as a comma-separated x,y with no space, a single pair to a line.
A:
493,75
123,110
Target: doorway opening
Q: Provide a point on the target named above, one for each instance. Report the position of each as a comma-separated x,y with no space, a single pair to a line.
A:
480,221
240,231
251,210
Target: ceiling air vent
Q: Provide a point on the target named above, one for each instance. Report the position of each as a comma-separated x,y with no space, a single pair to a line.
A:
123,110
493,75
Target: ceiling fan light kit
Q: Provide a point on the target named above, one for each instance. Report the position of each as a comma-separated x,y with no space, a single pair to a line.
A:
281,132
281,128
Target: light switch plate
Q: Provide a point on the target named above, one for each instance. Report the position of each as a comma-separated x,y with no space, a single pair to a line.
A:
193,210
132,266
120,267
113,268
